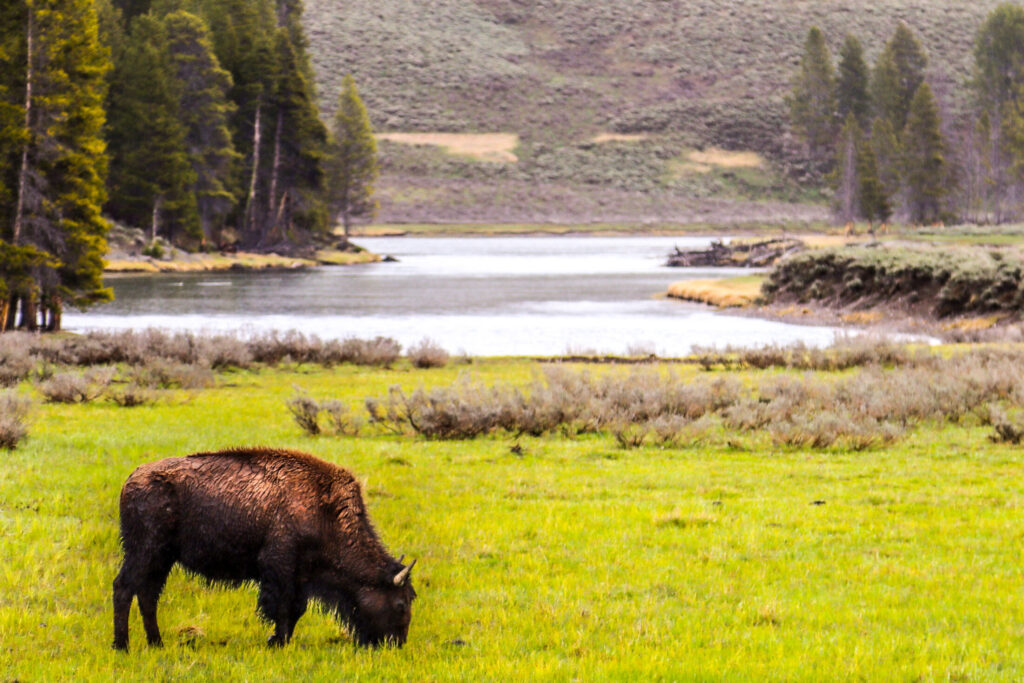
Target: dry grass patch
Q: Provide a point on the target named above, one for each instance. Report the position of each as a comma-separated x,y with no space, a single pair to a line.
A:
862,317
493,147
714,156
973,324
619,137
712,159
335,257
726,293
208,262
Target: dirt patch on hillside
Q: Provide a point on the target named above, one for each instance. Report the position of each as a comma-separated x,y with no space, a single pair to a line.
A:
493,147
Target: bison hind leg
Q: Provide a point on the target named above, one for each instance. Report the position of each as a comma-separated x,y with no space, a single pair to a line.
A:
124,593
145,581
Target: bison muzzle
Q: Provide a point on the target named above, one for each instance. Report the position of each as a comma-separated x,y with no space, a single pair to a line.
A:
294,524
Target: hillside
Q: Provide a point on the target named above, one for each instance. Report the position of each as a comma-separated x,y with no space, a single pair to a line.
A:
679,76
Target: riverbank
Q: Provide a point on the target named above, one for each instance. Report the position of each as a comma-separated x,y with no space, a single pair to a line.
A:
743,296
733,292
609,229
182,262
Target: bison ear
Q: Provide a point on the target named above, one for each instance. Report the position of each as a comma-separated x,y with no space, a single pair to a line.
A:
402,577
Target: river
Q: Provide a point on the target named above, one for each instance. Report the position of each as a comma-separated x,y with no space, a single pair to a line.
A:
535,295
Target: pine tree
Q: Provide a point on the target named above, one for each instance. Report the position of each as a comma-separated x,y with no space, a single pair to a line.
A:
999,57
999,100
62,166
899,72
924,162
812,103
204,112
846,204
295,187
243,40
874,200
859,190
353,166
151,177
852,95
885,146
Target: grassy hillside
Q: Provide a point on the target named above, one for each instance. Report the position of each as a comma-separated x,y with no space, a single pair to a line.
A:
687,74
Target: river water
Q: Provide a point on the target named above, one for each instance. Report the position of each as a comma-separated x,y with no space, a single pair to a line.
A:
536,295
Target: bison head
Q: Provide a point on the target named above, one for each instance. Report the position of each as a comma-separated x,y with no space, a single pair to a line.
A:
382,612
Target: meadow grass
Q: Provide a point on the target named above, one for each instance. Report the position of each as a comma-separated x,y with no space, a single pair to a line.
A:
572,559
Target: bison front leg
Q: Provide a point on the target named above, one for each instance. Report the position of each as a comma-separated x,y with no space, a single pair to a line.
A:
278,594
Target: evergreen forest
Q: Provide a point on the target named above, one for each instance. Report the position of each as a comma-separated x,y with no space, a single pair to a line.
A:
195,120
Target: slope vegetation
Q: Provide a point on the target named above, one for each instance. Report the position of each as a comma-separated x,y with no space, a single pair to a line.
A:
687,74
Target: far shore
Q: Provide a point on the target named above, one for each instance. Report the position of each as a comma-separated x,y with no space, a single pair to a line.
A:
610,229
740,296
182,262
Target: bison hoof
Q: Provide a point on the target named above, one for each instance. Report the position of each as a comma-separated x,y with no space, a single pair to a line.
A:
275,641
123,647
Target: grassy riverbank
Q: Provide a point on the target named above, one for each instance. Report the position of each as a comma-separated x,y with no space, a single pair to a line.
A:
188,263
733,292
573,558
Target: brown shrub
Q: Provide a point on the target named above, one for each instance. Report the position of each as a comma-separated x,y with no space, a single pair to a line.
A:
131,395
427,354
14,410
69,387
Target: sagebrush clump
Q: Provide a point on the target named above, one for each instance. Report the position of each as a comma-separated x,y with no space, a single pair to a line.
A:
871,407
14,410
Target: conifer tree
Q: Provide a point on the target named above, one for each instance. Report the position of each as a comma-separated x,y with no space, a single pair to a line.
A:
62,165
151,177
295,189
204,113
924,162
353,167
999,57
846,204
888,156
898,73
243,40
812,104
859,190
999,101
874,200
852,95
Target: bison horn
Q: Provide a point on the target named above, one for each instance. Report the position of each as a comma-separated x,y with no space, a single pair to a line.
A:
401,559
403,576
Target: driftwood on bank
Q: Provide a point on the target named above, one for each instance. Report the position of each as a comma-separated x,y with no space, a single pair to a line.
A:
743,254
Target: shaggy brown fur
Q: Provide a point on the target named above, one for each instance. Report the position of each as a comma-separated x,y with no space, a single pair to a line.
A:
287,520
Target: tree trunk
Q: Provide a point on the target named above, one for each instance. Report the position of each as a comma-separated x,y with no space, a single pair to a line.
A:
154,225
29,311
19,210
250,205
54,311
11,306
275,172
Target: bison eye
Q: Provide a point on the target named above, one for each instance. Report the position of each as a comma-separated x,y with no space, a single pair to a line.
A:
400,604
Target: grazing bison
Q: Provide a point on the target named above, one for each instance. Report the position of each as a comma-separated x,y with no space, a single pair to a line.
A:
291,522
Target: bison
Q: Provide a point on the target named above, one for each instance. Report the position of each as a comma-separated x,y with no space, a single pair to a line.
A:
289,521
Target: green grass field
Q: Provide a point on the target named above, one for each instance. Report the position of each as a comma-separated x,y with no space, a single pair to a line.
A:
574,560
